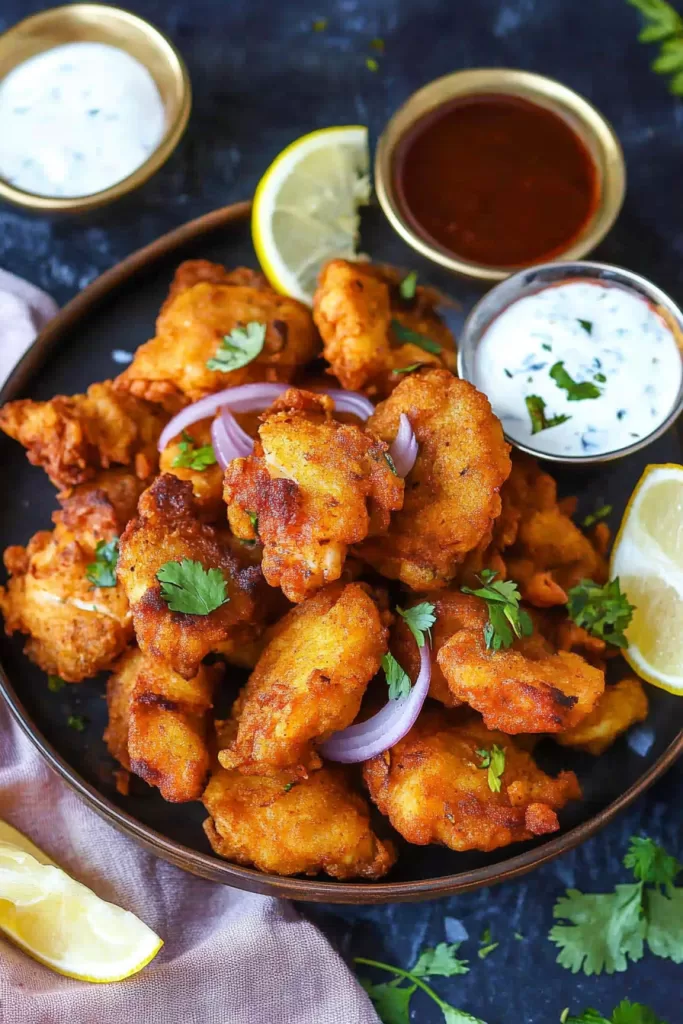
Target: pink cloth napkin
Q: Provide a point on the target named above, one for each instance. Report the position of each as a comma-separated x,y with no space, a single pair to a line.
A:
229,957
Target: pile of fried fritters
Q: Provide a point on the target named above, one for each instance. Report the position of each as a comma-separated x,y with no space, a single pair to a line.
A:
318,539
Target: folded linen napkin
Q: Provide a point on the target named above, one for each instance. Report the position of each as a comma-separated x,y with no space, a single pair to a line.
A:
229,957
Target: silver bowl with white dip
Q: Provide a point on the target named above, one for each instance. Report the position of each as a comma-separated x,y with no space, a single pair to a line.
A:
582,362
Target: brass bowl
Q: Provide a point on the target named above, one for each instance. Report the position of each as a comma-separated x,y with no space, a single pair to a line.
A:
98,23
592,128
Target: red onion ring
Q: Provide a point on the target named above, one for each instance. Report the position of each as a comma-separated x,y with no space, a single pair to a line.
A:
403,449
226,444
367,739
244,398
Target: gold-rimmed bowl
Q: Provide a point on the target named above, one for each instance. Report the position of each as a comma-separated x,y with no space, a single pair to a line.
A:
590,126
99,23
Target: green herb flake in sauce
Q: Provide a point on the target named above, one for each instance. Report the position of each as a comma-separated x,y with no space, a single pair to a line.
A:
577,391
587,325
539,421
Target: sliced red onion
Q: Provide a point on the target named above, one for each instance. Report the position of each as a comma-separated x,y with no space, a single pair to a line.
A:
367,739
404,448
229,443
244,398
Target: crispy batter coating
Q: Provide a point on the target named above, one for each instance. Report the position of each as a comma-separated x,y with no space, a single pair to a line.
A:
548,554
317,824
314,486
355,307
158,724
620,707
433,789
75,630
527,688
192,272
167,528
207,484
201,309
452,492
308,683
73,438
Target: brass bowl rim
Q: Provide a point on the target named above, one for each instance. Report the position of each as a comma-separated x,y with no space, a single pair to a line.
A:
170,53
587,121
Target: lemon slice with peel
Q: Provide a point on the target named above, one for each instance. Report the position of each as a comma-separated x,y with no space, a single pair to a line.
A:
648,559
62,923
306,207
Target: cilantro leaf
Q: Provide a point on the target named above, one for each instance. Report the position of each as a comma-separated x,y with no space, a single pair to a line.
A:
419,619
412,337
605,930
506,619
650,862
539,421
188,587
439,962
494,761
576,391
587,1017
390,463
238,348
602,610
102,572
634,1013
55,684
191,457
664,25
398,679
485,950
408,285
587,325
601,512
409,369
451,1015
77,722
664,913
391,1000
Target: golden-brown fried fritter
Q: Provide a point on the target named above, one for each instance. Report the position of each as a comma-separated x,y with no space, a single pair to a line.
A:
73,438
167,528
620,707
308,683
527,688
206,480
312,487
75,629
172,368
433,788
316,824
452,492
359,312
158,724
192,272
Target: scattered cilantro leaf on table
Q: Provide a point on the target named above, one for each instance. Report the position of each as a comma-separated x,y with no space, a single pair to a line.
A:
102,572
238,348
398,679
664,25
577,391
539,421
601,512
77,722
650,862
506,619
419,619
55,683
408,285
188,587
625,1013
391,1000
494,761
601,609
191,457
412,337
440,962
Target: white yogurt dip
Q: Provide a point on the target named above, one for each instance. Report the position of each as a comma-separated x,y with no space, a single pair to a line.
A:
77,119
580,368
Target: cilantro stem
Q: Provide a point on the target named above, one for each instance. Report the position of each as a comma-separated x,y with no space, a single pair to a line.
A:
402,974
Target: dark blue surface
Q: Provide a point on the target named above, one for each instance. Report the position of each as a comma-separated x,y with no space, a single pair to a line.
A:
261,77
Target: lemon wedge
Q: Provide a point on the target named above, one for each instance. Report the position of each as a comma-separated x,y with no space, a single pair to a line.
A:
648,559
62,923
306,207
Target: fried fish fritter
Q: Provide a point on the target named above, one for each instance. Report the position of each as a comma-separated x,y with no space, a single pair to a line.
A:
308,683
312,487
73,438
359,312
620,707
452,492
528,688
207,482
167,528
158,724
75,629
317,824
433,788
201,310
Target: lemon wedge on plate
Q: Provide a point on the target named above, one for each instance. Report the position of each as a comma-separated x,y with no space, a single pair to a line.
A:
62,923
648,559
306,207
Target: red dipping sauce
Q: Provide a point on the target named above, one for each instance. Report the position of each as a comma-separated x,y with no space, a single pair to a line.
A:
495,180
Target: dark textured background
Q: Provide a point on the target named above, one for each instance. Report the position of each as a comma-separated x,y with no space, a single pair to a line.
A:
261,77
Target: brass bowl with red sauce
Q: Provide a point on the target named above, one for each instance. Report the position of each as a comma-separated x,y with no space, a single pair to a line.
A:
489,171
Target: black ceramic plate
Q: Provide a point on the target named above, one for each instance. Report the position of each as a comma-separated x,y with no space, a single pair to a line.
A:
118,312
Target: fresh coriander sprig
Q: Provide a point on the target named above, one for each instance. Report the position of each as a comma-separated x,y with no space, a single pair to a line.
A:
238,348
664,25
604,931
408,286
412,337
494,761
625,1013
188,587
397,678
191,457
539,421
602,610
102,572
408,369
577,391
419,619
506,619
